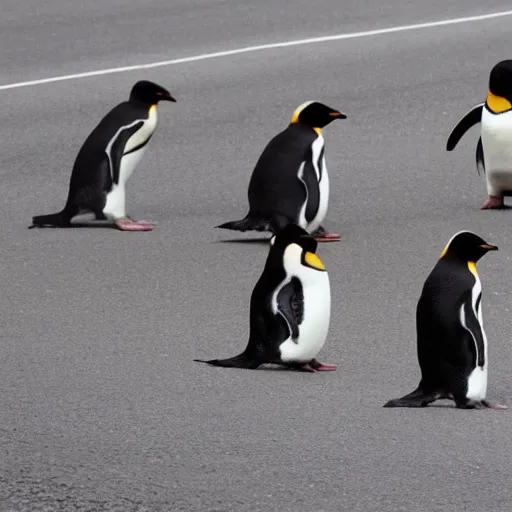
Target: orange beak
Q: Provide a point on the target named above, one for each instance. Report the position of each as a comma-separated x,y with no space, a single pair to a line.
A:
338,114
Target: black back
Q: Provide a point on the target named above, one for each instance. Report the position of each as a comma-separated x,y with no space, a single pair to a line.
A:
274,187
446,351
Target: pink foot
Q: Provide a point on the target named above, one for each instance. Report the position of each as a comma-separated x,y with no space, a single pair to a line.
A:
328,237
316,366
322,367
497,407
128,224
326,367
493,203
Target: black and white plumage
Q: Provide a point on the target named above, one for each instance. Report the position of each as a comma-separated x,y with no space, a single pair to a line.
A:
493,150
290,182
107,159
451,341
290,307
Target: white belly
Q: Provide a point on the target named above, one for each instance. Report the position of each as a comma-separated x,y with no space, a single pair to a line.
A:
128,164
477,384
315,325
497,145
115,207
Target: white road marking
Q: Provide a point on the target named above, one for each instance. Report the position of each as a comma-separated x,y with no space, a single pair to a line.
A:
248,49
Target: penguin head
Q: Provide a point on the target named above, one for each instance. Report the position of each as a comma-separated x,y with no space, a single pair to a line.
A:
315,114
295,250
149,92
499,98
466,246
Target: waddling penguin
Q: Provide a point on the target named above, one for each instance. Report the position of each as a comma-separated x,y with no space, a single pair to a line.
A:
290,307
290,184
494,148
107,159
451,341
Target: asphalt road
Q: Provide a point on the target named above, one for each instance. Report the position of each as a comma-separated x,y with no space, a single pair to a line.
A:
101,406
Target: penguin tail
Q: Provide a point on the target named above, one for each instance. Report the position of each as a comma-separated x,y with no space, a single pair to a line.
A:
249,223
61,219
418,398
240,361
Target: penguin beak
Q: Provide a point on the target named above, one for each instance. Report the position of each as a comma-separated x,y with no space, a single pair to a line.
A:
337,114
489,247
165,97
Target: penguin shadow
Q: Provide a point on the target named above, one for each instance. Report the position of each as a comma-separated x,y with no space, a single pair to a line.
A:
267,367
80,224
446,405
246,241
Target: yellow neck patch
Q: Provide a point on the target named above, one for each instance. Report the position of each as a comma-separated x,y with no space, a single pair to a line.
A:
498,104
298,110
314,261
296,114
472,268
445,250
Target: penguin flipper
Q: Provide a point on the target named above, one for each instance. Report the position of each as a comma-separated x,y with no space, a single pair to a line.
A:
480,163
418,398
116,149
291,305
309,179
242,360
472,324
473,117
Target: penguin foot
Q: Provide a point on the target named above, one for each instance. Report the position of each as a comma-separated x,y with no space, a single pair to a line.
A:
497,407
328,237
321,235
307,368
315,366
322,367
128,224
142,222
494,203
480,404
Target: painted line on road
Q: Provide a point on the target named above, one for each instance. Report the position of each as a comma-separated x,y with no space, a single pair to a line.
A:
249,49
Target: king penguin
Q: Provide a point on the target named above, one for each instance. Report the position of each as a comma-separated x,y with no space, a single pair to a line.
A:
290,307
107,159
290,183
493,150
451,341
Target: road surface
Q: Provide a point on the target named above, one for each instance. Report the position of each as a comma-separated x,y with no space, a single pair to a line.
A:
102,408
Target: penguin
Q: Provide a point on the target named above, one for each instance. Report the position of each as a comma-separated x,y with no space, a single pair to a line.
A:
290,183
108,157
290,307
451,341
493,150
